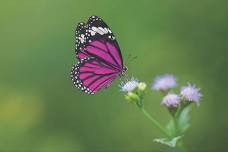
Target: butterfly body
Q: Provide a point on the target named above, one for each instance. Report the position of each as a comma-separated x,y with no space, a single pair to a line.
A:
99,55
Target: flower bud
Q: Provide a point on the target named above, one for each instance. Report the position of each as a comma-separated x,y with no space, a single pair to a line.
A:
191,93
132,97
142,86
171,100
129,85
164,82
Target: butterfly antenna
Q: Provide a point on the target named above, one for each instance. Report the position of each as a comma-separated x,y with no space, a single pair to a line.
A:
129,56
133,58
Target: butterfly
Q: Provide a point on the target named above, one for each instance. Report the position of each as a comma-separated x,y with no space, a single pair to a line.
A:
99,56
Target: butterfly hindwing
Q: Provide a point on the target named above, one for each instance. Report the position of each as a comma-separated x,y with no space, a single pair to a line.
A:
91,75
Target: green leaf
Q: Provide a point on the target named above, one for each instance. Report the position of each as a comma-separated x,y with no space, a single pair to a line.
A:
183,120
169,142
171,127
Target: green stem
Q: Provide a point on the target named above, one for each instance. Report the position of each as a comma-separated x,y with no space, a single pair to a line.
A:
178,112
180,145
155,122
176,126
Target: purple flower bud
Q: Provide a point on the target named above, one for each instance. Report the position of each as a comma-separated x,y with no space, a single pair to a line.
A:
171,100
164,82
191,93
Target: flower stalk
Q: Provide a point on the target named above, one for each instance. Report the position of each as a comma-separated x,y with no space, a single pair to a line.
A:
155,122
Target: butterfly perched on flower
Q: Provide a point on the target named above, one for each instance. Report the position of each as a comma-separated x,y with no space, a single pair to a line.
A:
99,56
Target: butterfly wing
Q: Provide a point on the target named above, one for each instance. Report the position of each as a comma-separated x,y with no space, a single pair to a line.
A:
80,41
95,39
90,75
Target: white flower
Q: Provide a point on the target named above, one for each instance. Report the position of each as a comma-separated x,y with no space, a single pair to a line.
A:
164,82
129,85
171,100
191,93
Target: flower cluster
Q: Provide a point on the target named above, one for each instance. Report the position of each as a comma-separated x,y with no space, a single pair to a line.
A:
189,93
165,83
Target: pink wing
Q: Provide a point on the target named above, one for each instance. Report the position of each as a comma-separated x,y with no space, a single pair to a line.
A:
105,51
95,39
90,75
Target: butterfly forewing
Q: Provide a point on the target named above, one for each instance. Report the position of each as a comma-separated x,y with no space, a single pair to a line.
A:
97,32
105,51
80,40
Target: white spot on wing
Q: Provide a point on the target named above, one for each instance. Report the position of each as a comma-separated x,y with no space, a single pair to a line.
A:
92,32
103,30
109,31
99,30
82,38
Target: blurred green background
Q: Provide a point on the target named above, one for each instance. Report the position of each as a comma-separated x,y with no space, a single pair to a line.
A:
41,110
